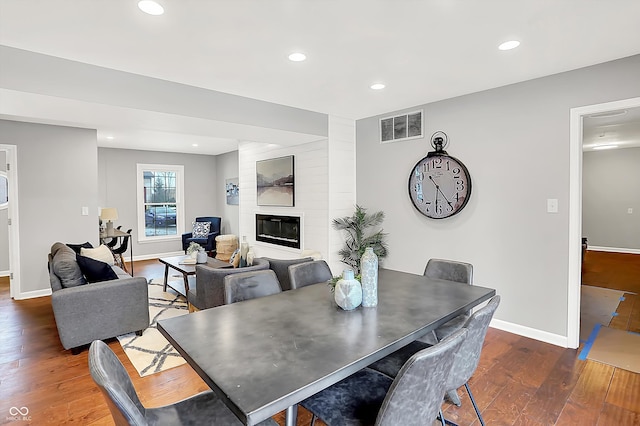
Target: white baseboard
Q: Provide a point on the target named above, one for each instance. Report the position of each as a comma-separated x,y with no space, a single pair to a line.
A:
33,294
614,249
532,333
156,256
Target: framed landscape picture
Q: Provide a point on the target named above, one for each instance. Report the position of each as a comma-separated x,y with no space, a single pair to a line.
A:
275,182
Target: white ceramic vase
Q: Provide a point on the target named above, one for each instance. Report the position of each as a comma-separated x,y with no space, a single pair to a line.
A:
201,257
348,292
369,278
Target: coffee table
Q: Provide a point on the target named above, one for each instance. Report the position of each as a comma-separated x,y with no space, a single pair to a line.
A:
175,262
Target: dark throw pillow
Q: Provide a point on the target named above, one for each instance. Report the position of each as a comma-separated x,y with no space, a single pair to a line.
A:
94,270
77,247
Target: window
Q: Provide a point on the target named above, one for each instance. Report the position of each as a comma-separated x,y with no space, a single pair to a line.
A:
160,204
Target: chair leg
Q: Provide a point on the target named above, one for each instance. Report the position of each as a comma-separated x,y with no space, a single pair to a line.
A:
452,395
473,401
313,419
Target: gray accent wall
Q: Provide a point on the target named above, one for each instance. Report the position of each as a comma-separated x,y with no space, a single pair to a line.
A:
227,168
515,142
117,170
57,176
611,186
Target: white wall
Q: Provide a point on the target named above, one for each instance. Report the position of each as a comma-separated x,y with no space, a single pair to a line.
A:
611,186
515,142
4,227
57,176
227,168
311,196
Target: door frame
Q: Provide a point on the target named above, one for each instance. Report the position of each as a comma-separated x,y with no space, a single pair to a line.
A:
575,209
14,242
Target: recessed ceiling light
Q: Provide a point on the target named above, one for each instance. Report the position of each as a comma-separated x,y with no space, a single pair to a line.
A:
150,7
602,147
508,45
194,144
110,138
378,86
297,57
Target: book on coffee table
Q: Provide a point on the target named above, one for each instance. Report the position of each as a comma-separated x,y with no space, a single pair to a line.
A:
188,261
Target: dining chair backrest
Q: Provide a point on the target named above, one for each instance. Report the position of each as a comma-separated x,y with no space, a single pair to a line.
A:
250,285
124,244
467,358
304,274
416,394
116,386
450,270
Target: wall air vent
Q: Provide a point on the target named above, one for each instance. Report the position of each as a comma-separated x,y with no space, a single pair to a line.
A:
401,127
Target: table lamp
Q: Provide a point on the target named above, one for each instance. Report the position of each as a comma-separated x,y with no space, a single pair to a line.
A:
109,214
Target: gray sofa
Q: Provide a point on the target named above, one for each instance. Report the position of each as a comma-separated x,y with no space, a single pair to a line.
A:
85,312
208,291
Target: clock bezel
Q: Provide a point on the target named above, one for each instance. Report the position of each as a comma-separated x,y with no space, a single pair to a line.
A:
430,155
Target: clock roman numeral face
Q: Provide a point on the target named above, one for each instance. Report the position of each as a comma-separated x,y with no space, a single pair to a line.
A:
439,186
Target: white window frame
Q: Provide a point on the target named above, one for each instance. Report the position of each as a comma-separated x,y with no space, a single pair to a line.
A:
179,171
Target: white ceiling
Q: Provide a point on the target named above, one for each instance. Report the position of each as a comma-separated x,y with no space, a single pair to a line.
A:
423,51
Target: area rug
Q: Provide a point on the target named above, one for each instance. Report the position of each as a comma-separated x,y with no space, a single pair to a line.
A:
597,306
618,348
152,353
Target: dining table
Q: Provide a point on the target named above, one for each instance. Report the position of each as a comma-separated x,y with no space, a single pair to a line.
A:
265,355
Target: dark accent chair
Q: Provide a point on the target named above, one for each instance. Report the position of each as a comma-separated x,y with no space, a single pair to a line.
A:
369,397
209,243
308,273
281,268
250,285
466,359
126,409
121,249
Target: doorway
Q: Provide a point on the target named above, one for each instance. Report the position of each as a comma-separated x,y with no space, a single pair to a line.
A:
9,241
575,208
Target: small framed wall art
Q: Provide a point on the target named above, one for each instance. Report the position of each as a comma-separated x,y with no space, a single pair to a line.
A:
233,191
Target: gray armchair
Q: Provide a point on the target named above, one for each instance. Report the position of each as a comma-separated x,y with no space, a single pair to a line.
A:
101,310
208,291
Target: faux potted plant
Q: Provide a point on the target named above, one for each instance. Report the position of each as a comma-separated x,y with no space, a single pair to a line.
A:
359,236
197,252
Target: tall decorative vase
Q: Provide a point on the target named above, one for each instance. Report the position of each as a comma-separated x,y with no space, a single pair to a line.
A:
348,292
244,250
369,278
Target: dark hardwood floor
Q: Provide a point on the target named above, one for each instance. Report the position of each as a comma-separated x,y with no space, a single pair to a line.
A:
519,381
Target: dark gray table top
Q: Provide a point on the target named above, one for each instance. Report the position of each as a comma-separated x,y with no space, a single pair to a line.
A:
264,355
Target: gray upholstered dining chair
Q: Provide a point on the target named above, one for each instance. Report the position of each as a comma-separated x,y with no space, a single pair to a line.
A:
125,406
304,274
466,359
450,270
250,285
369,397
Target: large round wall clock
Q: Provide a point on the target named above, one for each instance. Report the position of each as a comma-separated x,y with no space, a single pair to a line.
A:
439,184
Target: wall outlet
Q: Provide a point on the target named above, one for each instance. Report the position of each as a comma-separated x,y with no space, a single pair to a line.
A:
552,205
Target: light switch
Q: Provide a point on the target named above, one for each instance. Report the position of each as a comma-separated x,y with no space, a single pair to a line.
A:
630,210
552,205
85,211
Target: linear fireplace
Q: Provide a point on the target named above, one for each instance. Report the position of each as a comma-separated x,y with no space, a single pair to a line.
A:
279,230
